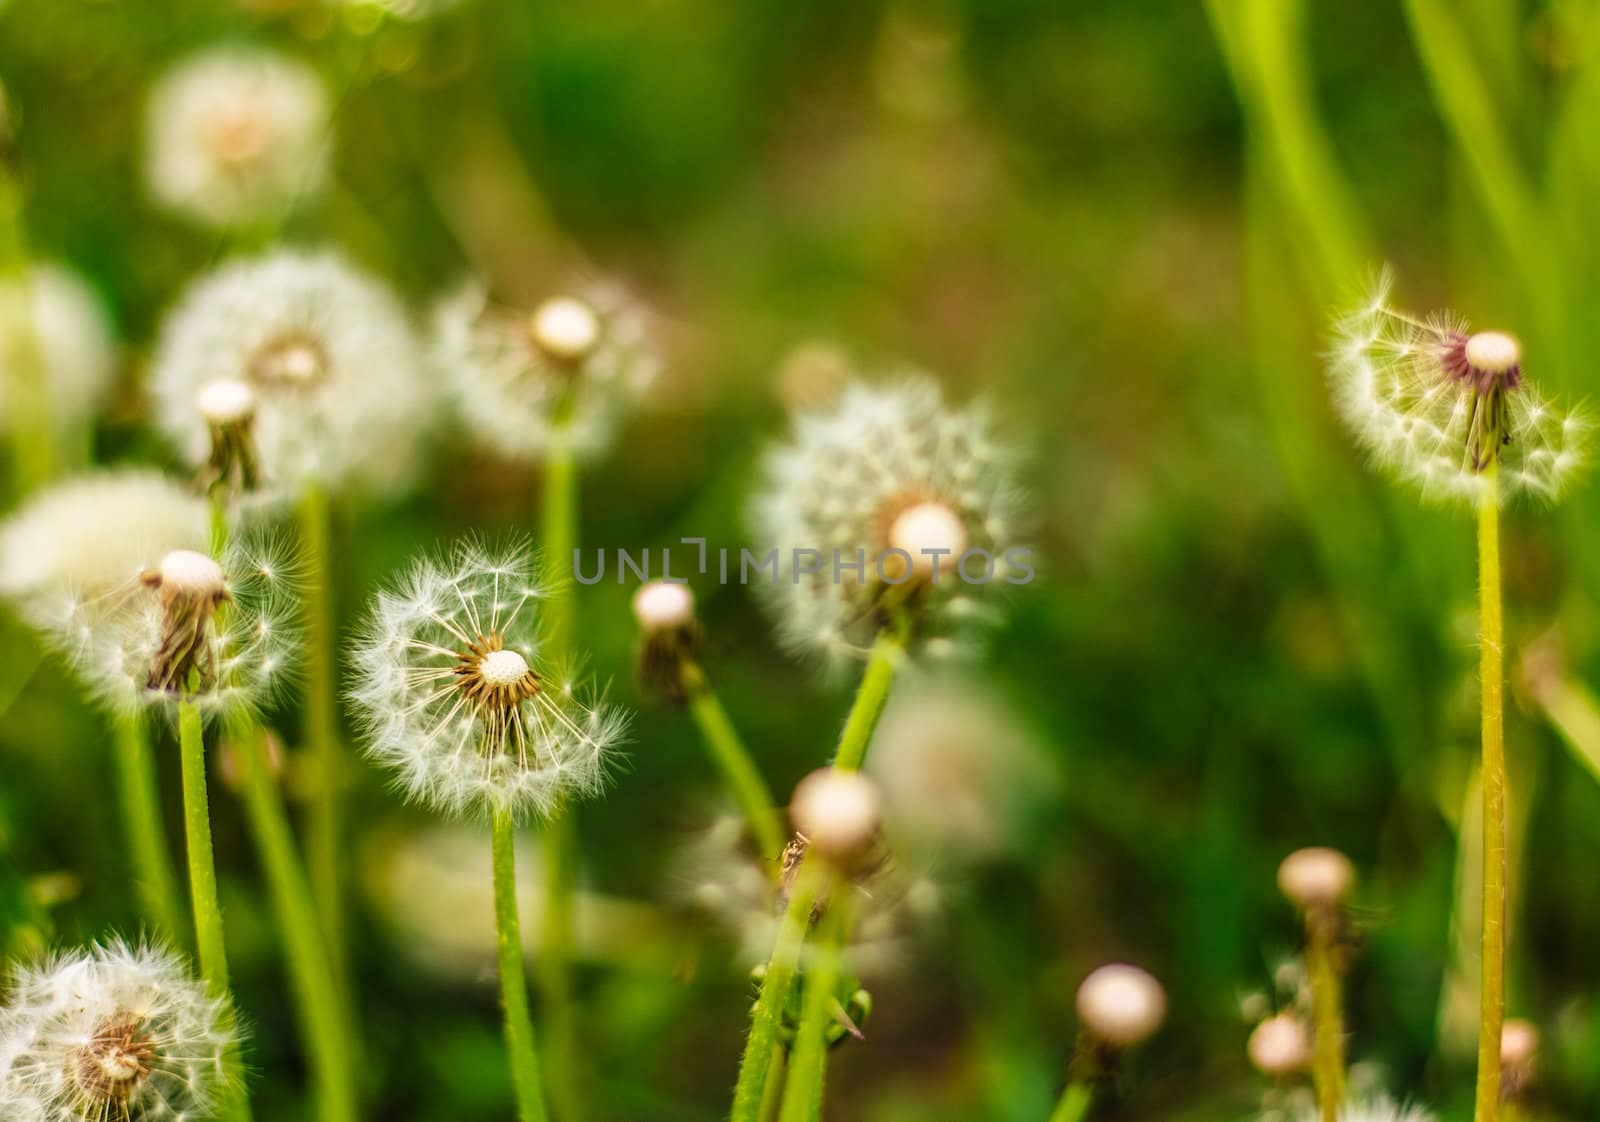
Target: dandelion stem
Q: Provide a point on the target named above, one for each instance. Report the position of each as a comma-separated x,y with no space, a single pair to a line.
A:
30,422
1073,1104
1327,1013
772,1094
213,952
322,730
322,1015
802,1093
732,758
750,1090
560,532
147,836
513,981
1491,655
871,697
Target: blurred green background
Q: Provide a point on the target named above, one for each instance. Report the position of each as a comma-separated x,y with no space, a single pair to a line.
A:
1126,224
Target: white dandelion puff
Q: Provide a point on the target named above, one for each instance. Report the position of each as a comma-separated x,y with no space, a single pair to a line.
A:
1379,1108
88,537
112,1032
236,136
561,377
892,500
53,323
1437,404
455,695
219,632
338,390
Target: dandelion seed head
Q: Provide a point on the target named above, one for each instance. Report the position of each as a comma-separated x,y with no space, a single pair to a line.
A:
563,377
455,696
837,812
327,353
115,1031
226,401
53,325
1280,1045
884,469
1436,404
236,136
1122,1005
1316,877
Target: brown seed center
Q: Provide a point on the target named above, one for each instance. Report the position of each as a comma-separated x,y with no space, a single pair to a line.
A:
110,1067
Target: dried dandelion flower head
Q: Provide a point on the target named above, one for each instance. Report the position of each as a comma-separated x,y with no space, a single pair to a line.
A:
1121,1005
1440,405
218,632
890,501
454,694
669,639
328,357
113,1032
54,324
236,136
85,539
560,377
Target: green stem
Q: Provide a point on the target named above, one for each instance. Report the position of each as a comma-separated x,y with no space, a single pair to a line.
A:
1327,1014
524,1058
750,1090
213,952
30,424
732,758
1491,671
560,531
1073,1104
147,836
317,998
322,730
871,697
772,1094
802,1092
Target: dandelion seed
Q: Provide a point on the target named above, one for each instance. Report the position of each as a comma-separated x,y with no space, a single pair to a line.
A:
326,355
53,322
1438,404
900,496
236,136
454,694
561,377
114,1032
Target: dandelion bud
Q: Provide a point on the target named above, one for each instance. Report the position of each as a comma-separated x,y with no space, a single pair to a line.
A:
565,329
1121,1005
837,813
1316,878
1280,1046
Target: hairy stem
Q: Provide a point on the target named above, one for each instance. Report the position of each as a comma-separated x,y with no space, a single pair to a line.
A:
203,872
732,758
1491,651
1073,1103
520,1046
147,836
1327,1015
559,524
772,1094
871,696
802,1093
323,1022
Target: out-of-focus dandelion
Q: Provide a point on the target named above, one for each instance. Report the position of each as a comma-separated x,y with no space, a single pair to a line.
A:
1519,1057
1378,1109
408,11
837,814
114,1032
1316,880
1120,1006
558,379
455,695
236,136
892,505
1440,405
328,357
1280,1046
54,327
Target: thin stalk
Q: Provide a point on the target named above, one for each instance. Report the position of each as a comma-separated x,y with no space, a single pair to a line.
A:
1327,1016
732,758
871,696
30,425
520,1048
1073,1104
213,952
559,850
317,998
1491,671
322,731
147,836
772,1094
749,1092
802,1092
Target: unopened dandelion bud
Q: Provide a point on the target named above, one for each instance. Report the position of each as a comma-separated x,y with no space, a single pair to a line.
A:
669,640
837,813
1121,1005
1280,1046
1316,878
